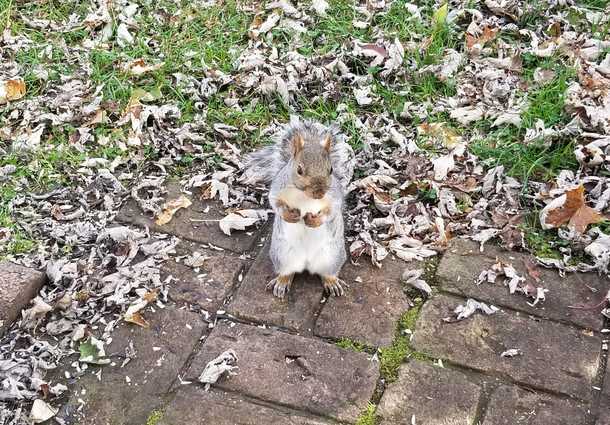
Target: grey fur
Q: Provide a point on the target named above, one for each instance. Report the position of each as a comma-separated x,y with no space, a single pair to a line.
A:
265,164
273,164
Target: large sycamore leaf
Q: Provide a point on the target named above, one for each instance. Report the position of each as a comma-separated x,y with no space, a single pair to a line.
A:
574,209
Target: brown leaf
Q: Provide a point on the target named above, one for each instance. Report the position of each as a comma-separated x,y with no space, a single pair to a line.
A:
171,207
532,269
137,319
15,89
574,209
489,34
45,389
471,40
151,295
56,212
512,236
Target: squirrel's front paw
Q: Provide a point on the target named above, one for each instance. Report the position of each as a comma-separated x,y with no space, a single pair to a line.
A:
280,285
291,215
312,220
333,286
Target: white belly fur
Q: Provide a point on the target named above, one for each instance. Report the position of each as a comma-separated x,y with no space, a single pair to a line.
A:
296,198
309,249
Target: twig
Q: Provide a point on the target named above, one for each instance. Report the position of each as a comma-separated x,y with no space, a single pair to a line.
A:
480,253
590,308
591,288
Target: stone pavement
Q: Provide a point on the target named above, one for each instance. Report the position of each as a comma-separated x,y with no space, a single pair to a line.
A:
290,372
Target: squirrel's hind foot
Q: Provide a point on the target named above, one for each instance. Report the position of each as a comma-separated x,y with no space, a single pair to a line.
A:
334,286
280,285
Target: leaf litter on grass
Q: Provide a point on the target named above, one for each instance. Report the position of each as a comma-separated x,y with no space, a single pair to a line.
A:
104,101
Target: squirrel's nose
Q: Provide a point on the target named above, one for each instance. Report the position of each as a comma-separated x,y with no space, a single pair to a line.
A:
319,193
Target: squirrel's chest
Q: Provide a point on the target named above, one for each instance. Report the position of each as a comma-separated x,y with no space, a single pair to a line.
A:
296,198
304,239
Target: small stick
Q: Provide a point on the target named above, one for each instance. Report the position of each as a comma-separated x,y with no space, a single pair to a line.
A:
591,288
480,253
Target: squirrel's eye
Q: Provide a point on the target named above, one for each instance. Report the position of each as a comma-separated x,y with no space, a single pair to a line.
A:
299,170
331,170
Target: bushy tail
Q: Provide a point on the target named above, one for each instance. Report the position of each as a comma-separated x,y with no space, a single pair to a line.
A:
265,164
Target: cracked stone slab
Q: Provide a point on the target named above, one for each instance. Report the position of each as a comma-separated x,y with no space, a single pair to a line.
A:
184,224
194,405
126,395
369,310
516,406
555,357
296,312
294,371
430,394
18,285
603,413
456,274
207,285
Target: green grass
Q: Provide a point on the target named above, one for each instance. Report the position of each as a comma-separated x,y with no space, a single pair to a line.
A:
367,416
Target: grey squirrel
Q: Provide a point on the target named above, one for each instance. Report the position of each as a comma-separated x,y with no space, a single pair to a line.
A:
309,167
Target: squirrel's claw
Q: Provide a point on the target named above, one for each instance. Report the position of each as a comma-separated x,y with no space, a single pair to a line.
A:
334,287
280,285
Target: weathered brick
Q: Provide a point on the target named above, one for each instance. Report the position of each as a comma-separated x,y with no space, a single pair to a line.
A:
556,357
369,310
295,371
431,394
221,271
456,274
515,406
162,349
194,405
18,285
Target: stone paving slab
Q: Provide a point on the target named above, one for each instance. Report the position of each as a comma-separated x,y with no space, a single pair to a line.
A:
516,406
297,372
603,414
430,394
183,226
369,310
207,285
555,357
162,350
194,405
296,312
18,285
456,274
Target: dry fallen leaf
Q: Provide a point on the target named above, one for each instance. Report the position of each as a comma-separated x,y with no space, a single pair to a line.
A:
139,67
238,220
574,209
170,209
11,89
531,269
133,312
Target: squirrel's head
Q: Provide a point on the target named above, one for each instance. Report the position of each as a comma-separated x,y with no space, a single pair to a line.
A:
311,166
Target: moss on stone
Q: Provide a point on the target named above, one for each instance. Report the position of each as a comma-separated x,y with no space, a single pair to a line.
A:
367,417
154,417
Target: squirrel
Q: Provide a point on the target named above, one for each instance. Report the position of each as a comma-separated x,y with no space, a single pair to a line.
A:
309,167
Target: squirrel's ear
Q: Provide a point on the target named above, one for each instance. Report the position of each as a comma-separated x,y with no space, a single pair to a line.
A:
297,143
326,142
